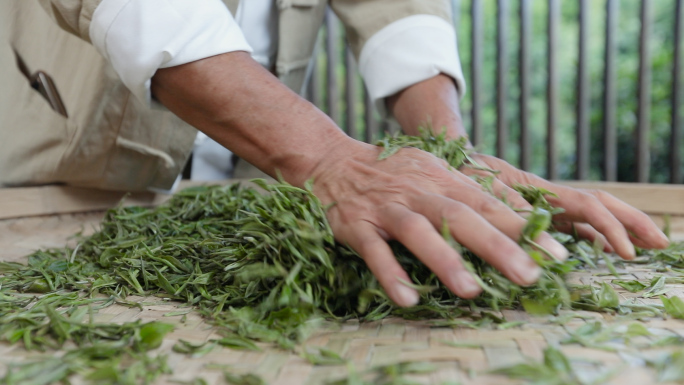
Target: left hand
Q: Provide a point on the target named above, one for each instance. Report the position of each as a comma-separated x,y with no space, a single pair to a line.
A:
594,214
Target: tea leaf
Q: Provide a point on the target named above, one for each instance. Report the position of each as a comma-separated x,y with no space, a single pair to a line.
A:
674,306
607,297
245,379
323,357
152,334
632,286
657,287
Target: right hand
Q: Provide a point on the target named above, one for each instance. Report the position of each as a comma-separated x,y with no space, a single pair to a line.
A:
406,197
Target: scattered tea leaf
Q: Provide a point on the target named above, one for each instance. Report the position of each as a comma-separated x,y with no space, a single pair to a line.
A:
674,306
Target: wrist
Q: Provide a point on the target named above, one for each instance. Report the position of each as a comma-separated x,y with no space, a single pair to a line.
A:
309,154
349,156
246,109
432,103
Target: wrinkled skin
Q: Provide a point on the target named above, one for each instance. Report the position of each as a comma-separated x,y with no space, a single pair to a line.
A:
407,196
594,214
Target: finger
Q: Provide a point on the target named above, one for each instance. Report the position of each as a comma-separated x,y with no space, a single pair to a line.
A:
645,233
381,261
580,206
501,191
583,207
510,195
639,243
416,233
480,236
584,231
501,216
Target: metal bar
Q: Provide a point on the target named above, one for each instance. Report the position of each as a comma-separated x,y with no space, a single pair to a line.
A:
476,71
524,68
677,97
552,20
331,50
582,167
501,78
371,125
644,94
350,92
610,94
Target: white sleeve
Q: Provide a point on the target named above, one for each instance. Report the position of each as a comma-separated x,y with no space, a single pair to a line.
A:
407,52
140,36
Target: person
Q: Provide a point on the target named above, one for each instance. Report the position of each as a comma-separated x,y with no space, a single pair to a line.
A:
192,59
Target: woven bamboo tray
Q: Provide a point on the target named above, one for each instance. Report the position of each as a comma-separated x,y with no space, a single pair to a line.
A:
366,345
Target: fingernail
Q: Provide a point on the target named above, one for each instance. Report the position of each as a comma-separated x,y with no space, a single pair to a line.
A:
552,246
405,295
467,284
631,252
664,238
528,273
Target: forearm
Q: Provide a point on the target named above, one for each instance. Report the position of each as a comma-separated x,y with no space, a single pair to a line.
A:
433,101
235,101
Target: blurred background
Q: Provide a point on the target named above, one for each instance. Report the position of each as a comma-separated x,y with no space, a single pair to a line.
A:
572,89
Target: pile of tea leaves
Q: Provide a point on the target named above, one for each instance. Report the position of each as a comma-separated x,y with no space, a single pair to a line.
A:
263,265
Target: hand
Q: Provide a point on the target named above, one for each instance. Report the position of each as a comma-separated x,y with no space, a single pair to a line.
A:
406,197
594,214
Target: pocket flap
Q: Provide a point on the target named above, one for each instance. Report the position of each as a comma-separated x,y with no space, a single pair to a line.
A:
284,4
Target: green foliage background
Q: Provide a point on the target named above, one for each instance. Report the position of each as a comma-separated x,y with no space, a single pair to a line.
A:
662,54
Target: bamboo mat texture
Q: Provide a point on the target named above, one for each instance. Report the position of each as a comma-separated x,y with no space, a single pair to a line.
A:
366,345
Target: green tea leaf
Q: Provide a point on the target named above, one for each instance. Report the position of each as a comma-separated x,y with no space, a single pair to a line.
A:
245,379
323,357
632,286
152,334
657,287
607,297
674,306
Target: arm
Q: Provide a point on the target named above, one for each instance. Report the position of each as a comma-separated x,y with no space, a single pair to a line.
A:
405,197
236,102
411,62
435,99
594,214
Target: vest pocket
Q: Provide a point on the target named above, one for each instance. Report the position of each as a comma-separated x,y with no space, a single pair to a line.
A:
43,83
33,137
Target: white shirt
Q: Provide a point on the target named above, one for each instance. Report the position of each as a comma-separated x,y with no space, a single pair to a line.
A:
140,36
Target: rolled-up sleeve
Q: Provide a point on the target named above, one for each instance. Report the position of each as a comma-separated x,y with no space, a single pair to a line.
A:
406,52
140,36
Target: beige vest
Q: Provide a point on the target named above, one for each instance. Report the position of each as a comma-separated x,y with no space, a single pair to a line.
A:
110,140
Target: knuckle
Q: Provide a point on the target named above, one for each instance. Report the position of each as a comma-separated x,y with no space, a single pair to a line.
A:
489,207
408,224
591,202
640,227
599,194
364,248
516,199
453,212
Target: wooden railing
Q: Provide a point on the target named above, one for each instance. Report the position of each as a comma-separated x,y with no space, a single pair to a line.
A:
337,89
